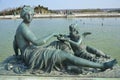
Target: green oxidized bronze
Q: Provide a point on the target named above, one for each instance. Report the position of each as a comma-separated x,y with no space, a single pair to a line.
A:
30,52
45,58
80,49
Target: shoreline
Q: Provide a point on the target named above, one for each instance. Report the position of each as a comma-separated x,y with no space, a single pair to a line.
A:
80,15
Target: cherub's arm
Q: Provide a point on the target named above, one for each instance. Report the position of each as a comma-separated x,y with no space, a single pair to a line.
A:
67,38
75,43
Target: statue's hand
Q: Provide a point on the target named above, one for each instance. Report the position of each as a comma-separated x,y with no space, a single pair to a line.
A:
63,38
55,34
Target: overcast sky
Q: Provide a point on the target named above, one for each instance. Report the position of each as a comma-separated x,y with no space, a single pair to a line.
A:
61,4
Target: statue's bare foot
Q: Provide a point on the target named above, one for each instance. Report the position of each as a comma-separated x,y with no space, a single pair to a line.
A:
109,64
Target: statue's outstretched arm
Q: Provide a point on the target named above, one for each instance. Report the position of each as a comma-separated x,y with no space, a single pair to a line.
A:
67,38
32,38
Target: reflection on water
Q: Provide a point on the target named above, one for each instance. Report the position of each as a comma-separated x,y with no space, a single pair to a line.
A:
105,32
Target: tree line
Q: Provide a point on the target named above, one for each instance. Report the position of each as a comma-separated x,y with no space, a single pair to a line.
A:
44,10
16,11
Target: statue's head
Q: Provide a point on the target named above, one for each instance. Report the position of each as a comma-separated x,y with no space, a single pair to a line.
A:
27,14
73,29
73,32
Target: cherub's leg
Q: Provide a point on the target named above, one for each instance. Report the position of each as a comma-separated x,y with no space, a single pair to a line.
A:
97,52
85,55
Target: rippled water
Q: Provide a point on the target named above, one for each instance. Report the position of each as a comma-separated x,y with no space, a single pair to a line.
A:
105,32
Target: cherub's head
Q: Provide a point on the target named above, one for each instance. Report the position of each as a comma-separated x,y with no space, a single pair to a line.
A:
27,14
73,29
73,32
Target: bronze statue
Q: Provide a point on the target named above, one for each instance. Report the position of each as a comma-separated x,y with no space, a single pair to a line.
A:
80,50
37,57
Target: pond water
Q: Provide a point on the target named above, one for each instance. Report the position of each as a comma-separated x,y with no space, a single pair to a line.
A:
105,32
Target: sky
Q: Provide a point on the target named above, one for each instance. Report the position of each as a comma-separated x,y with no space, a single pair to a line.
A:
61,4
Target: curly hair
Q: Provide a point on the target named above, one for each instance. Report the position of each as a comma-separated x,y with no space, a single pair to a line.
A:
26,9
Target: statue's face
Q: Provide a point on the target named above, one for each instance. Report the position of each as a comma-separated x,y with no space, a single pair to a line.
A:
28,17
73,31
